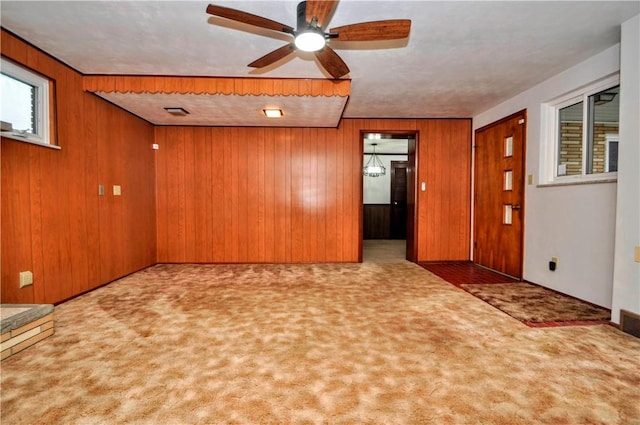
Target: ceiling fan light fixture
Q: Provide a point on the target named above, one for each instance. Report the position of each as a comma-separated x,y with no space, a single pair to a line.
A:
310,41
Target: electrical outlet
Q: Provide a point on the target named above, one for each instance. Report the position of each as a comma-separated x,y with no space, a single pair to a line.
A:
26,279
117,190
553,264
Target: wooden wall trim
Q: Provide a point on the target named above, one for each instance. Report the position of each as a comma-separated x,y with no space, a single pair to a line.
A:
216,85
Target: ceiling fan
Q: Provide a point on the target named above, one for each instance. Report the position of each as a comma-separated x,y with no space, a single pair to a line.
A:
310,35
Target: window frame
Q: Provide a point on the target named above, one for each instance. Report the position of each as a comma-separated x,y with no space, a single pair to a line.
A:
550,131
609,139
43,109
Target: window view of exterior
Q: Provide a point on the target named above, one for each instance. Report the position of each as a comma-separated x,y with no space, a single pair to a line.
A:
604,113
601,135
18,104
570,140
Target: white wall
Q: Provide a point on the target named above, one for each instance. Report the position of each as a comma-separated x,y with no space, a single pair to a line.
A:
574,223
377,190
626,277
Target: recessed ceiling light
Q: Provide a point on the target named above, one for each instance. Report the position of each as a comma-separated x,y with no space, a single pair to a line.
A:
273,113
178,112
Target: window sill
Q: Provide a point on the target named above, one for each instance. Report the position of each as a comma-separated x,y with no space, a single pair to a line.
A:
27,140
578,182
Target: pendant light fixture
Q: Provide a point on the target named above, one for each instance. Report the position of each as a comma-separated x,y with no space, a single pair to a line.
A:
374,167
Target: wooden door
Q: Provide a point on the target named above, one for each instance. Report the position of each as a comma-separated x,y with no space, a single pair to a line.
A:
398,215
499,195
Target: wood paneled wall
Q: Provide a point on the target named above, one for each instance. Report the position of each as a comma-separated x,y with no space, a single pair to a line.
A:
257,195
376,221
294,195
53,221
443,163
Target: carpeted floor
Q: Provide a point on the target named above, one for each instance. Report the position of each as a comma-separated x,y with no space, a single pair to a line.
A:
367,343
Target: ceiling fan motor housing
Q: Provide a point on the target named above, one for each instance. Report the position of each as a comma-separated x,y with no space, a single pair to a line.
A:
302,17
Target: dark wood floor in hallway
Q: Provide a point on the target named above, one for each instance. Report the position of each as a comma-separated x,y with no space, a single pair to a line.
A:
465,272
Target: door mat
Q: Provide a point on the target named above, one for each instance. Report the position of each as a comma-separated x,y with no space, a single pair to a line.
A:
537,306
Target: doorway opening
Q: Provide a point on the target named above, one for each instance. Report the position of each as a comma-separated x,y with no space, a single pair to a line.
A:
389,198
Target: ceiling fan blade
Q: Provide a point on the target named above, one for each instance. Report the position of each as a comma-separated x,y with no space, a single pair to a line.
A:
274,56
372,31
330,61
321,10
248,18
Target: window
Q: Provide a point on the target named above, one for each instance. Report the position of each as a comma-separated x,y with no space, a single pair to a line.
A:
582,134
25,104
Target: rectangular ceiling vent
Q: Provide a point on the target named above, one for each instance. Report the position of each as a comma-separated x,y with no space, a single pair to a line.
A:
630,323
178,112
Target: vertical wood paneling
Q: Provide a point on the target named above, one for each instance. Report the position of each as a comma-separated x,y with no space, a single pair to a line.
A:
202,175
138,198
229,204
162,196
251,176
191,202
275,186
92,235
269,185
58,232
16,220
444,209
35,217
218,205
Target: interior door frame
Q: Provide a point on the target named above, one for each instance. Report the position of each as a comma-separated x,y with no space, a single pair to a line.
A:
412,186
522,113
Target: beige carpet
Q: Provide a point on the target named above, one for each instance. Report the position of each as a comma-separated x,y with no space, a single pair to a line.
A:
318,344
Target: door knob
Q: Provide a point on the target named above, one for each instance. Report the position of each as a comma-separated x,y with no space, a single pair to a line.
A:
515,206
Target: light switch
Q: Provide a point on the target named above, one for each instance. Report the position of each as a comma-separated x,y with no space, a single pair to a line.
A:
530,179
101,190
117,190
26,279
637,256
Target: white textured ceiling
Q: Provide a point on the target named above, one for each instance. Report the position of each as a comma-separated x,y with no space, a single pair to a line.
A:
232,110
461,57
